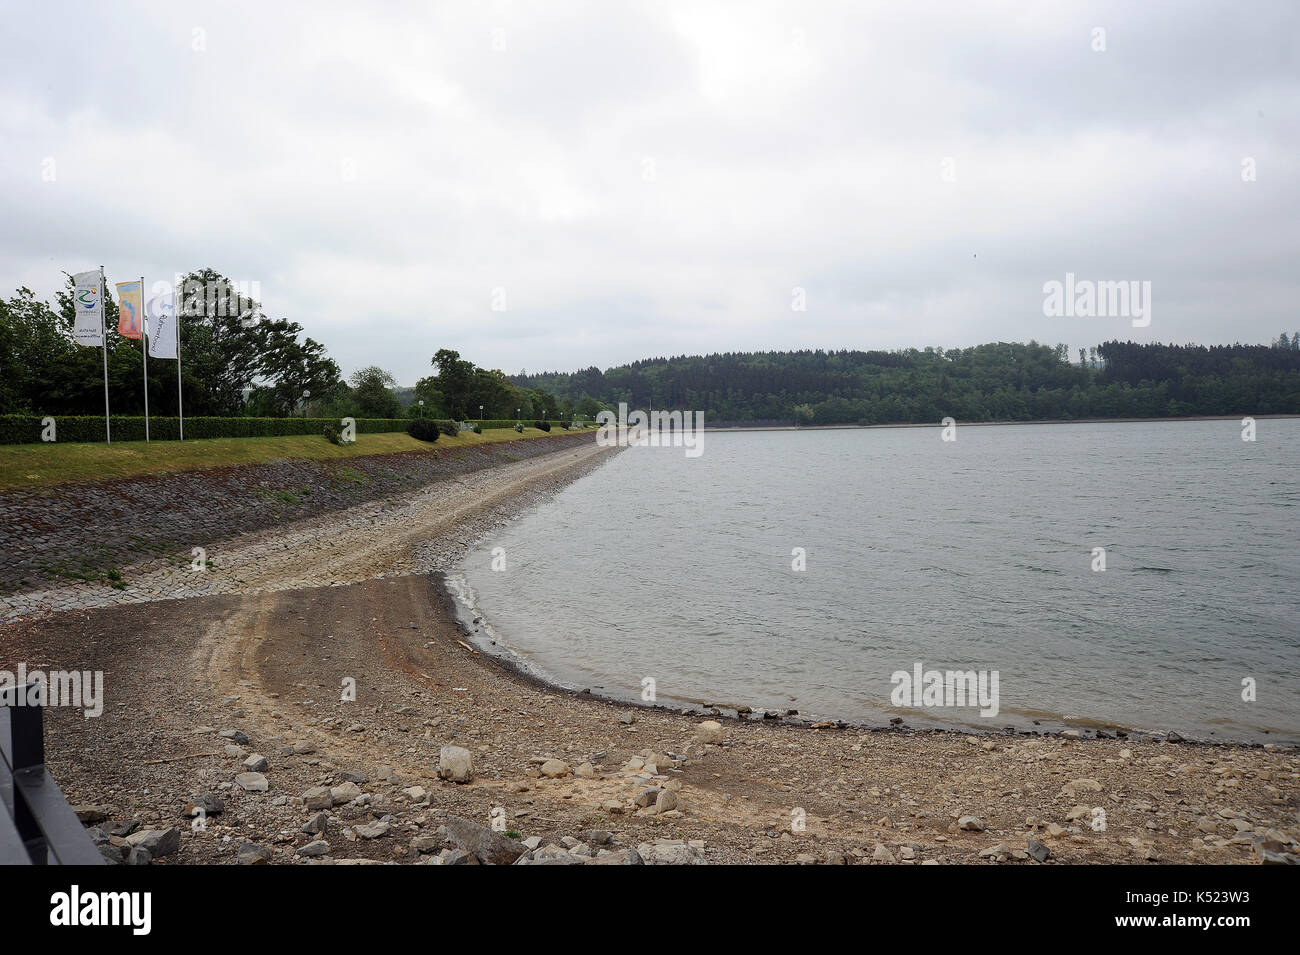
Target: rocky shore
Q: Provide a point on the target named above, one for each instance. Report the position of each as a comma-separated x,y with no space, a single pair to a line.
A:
314,702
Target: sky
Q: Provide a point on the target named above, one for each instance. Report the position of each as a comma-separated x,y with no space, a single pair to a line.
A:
554,185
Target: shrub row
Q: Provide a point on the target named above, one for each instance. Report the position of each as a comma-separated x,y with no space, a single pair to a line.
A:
26,429
510,423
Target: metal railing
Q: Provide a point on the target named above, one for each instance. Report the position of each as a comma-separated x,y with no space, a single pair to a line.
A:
37,826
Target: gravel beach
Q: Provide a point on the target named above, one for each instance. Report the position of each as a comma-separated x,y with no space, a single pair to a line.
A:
314,701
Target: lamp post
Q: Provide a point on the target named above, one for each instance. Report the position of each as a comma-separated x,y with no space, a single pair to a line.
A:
421,407
480,416
306,393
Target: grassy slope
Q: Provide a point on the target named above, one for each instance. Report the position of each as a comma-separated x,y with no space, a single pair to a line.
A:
26,465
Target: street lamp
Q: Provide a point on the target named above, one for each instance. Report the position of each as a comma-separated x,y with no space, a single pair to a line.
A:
421,407
306,393
480,415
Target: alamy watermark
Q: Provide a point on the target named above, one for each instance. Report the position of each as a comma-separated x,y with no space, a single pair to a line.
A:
1085,298
80,689
654,429
922,688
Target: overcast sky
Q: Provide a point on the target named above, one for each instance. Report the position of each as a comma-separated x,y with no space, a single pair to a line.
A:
634,180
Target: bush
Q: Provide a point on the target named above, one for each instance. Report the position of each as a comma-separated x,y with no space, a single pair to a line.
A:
333,435
542,425
422,429
448,427
478,429
519,428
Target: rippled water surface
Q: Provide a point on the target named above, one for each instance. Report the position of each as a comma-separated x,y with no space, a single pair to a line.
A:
970,555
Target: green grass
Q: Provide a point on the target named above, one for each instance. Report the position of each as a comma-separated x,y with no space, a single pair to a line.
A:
33,465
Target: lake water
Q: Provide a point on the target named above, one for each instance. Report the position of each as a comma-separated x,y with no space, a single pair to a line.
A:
976,554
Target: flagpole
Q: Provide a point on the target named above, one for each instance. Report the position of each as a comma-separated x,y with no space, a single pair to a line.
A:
103,340
180,410
144,357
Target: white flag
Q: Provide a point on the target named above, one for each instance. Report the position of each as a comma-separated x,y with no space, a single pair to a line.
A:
162,311
88,301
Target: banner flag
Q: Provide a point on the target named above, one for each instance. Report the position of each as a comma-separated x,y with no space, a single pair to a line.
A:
162,326
130,309
88,301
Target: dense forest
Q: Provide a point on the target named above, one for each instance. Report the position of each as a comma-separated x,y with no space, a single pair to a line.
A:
994,382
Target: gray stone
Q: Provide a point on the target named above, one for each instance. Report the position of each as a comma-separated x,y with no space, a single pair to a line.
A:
376,829
209,804
489,847
256,763
318,797
345,793
159,842
426,843
252,854
252,782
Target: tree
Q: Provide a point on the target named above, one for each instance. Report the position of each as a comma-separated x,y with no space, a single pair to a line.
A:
223,343
372,395
292,372
455,377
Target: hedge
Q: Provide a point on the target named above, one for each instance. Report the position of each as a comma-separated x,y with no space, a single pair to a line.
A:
510,422
26,429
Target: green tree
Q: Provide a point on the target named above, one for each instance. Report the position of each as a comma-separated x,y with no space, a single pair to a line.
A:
372,395
455,379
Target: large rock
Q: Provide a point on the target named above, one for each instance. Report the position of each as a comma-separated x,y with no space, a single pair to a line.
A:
252,854
456,763
671,852
375,830
252,782
555,768
710,731
489,847
159,842
318,797
207,804
345,793
256,763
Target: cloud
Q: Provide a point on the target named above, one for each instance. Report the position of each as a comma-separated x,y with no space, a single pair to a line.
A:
651,179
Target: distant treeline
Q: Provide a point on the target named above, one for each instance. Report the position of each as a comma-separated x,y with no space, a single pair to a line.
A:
994,382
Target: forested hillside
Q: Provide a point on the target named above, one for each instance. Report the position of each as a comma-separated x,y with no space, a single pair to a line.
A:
1001,381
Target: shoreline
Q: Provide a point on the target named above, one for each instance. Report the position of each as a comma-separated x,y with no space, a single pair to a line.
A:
989,424
514,662
202,688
